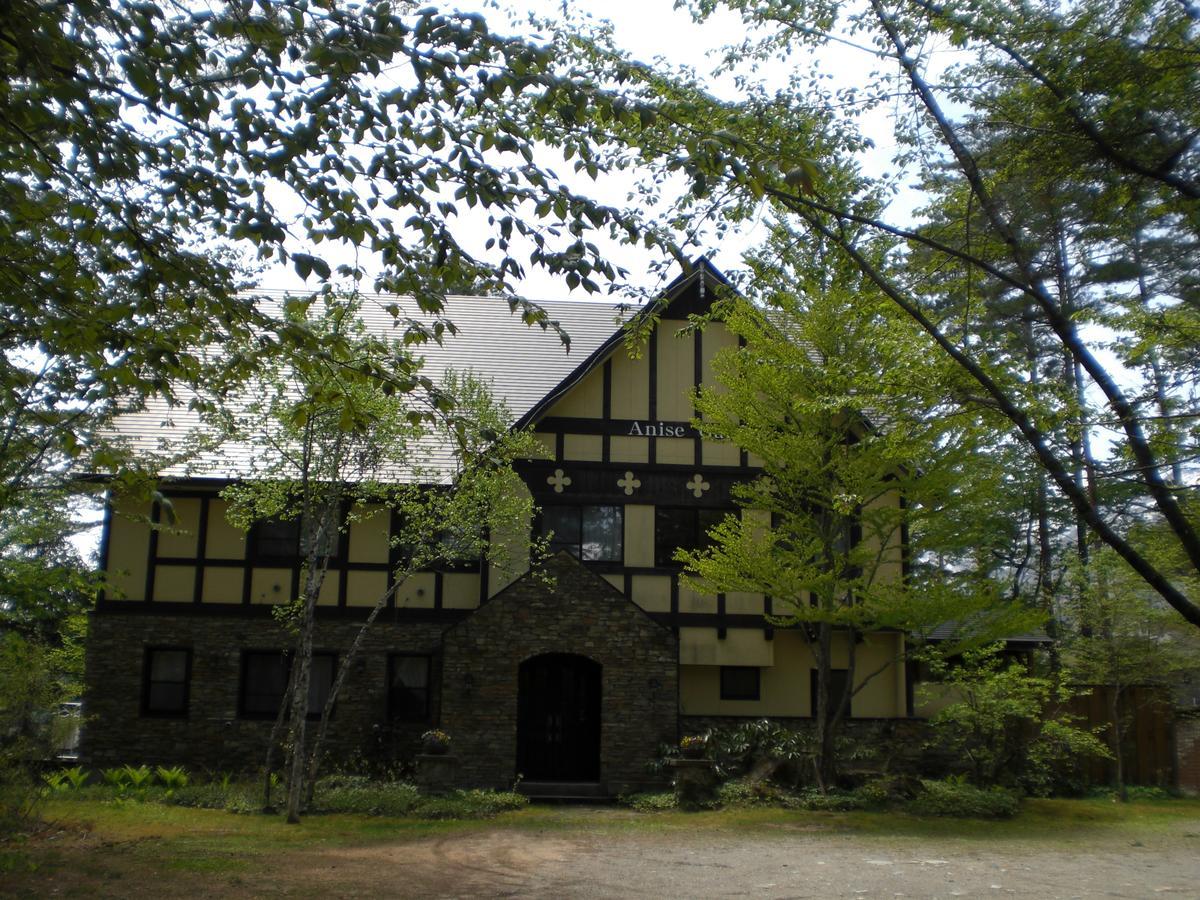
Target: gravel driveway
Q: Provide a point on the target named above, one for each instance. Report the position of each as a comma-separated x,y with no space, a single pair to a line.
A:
772,863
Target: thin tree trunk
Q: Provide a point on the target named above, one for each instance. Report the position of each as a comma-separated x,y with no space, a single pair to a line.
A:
299,716
824,759
276,734
314,759
1118,744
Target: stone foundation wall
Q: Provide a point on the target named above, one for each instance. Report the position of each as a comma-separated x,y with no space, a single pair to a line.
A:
581,614
213,736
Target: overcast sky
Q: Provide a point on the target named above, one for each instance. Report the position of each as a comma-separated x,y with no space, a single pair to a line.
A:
649,30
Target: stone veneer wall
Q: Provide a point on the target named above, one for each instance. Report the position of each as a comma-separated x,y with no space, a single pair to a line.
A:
213,736
580,613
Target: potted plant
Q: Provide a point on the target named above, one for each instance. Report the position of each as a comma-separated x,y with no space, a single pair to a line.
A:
692,746
435,742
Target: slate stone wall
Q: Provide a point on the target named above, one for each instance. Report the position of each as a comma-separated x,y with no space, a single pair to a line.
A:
580,613
213,736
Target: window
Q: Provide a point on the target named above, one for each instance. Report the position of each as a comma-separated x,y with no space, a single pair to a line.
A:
166,672
740,682
408,688
837,689
683,528
591,533
278,539
265,678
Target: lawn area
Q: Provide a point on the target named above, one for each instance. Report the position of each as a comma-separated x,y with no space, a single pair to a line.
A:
91,847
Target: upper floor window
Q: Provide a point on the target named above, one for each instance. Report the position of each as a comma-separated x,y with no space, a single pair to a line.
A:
682,528
279,539
591,533
165,676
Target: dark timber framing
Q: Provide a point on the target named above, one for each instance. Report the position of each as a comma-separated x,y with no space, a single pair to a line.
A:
340,565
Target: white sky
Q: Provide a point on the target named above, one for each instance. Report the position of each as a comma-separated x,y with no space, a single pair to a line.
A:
649,30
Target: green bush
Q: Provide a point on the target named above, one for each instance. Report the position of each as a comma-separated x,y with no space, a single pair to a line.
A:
71,779
888,790
241,797
750,793
173,778
832,801
955,797
649,802
356,794
472,804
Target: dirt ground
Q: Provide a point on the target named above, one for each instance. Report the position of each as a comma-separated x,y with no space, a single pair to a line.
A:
506,864
611,853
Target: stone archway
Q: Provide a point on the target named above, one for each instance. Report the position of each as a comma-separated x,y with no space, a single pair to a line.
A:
581,628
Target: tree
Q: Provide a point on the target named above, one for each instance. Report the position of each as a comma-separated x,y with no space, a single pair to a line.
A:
1121,640
1003,722
333,442
1104,99
156,156
837,400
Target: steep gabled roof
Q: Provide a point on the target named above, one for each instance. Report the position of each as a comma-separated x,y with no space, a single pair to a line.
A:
526,366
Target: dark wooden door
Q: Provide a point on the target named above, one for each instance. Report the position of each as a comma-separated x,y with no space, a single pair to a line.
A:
558,718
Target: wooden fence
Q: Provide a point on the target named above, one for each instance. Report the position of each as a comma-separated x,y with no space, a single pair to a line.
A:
1148,748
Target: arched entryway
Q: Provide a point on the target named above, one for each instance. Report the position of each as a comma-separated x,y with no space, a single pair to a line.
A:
558,718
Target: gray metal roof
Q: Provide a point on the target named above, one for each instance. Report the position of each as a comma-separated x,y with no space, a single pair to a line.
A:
522,364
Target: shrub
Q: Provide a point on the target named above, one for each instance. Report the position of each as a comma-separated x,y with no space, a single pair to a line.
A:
750,793
67,779
470,804
956,797
831,801
237,798
653,802
173,778
357,794
888,790
1004,725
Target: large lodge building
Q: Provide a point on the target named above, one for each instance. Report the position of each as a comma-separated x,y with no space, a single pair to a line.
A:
578,682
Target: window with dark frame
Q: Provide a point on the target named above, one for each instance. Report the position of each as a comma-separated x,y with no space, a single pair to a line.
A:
265,675
279,539
590,533
165,681
740,682
408,687
682,528
837,687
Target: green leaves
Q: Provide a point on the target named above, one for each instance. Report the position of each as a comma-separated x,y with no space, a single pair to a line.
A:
305,265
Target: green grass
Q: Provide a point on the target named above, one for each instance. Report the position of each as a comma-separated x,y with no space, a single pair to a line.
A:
94,845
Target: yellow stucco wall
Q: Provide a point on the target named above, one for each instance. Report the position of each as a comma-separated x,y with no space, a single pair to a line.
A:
784,685
128,547
630,385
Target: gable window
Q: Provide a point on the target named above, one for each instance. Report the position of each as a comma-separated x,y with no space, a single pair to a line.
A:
166,672
682,528
265,675
740,682
590,533
837,689
408,687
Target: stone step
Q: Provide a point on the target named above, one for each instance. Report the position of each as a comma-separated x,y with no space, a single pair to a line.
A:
564,790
